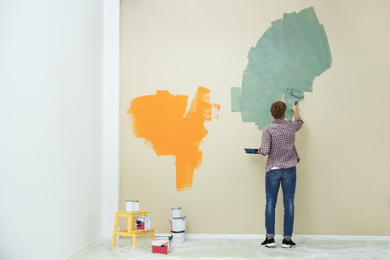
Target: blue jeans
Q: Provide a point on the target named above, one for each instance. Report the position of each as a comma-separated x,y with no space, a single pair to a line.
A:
287,178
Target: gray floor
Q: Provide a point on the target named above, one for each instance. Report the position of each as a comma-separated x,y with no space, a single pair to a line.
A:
308,247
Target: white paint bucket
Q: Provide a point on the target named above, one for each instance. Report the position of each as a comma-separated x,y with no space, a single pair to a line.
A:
178,237
129,205
178,224
136,205
176,212
132,205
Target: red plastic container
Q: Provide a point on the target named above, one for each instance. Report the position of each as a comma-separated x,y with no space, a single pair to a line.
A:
160,247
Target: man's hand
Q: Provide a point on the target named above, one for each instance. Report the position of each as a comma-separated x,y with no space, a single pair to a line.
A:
295,107
295,110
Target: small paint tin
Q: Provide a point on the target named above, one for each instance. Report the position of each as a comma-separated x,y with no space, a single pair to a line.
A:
129,205
143,223
136,205
132,205
176,212
178,224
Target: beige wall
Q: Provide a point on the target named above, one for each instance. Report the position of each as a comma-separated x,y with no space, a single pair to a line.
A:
343,179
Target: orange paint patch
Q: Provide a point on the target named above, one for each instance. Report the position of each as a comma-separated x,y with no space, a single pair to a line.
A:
161,119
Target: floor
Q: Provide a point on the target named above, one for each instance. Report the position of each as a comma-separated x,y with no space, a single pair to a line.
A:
211,248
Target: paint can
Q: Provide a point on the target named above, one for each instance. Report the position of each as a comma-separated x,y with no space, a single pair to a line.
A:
178,224
176,212
148,223
143,223
136,205
166,237
129,205
178,237
132,205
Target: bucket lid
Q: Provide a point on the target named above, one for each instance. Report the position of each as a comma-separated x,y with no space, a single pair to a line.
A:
181,217
165,236
176,208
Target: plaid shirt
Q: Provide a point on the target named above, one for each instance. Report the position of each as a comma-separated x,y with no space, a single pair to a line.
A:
278,142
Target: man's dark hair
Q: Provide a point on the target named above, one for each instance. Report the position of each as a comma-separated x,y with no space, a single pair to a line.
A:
278,109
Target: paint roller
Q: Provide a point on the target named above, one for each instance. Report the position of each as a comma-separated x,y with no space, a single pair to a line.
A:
297,94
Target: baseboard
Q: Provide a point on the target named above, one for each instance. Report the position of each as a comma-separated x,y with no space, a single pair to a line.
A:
339,237
225,236
83,249
261,236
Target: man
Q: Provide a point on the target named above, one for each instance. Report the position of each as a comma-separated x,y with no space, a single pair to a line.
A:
278,142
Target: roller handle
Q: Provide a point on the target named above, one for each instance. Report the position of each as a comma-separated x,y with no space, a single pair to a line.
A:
295,104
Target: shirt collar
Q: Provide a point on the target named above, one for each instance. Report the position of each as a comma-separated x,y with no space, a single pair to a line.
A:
279,120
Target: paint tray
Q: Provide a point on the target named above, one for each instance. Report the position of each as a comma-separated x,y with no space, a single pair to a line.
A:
251,150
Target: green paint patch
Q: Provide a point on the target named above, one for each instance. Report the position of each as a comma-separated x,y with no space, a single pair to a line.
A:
282,66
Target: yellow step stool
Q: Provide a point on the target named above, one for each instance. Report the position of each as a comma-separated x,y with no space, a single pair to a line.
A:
131,231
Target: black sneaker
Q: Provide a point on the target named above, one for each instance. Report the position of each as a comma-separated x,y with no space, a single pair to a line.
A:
269,242
287,243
